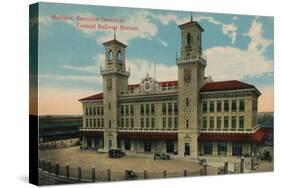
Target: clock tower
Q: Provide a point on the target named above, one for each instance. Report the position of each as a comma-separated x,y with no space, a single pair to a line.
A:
191,70
115,79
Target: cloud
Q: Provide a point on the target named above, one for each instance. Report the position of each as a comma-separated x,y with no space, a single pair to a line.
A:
140,19
63,78
163,72
258,42
162,42
235,63
229,30
94,67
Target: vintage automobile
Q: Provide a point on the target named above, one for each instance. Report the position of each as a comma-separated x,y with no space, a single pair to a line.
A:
116,153
162,156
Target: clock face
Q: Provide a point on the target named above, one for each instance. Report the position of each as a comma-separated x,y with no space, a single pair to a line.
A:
147,86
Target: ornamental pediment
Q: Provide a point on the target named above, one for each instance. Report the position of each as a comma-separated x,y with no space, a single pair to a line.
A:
148,85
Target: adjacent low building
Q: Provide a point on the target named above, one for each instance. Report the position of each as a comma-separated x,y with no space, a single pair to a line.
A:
191,116
55,128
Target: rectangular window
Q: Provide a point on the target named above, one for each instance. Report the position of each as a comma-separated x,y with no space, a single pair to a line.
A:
152,109
170,122
98,111
233,106
212,106
102,123
152,122
127,144
127,122
254,105
211,122
233,122
186,102
164,108
236,149
218,122
176,108
147,109
205,122
147,122
94,111
176,122
127,109
208,148
98,122
95,123
109,106
102,111
205,106
87,122
164,122
142,122
90,111
122,122
122,110
225,122
142,109
132,123
170,110
186,123
86,111
132,110
241,122
241,105
222,148
226,106
91,122
218,106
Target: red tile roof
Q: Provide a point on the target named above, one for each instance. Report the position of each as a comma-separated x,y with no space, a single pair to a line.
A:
255,137
225,85
114,41
93,97
168,83
190,23
210,86
133,86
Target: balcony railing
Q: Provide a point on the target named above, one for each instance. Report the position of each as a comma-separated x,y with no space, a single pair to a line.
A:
92,128
111,69
128,129
229,130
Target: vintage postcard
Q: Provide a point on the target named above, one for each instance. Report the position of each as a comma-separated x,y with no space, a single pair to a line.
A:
130,94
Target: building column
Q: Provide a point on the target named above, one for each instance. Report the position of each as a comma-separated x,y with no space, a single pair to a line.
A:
215,148
229,149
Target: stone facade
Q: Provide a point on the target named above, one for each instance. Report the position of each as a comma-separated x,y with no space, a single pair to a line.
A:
191,116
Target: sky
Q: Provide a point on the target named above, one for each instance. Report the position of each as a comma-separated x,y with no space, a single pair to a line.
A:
237,47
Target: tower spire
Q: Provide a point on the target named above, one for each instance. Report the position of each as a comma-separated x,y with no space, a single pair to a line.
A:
114,30
191,16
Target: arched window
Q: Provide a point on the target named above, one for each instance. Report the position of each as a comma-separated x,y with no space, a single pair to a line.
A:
109,55
119,56
199,40
189,40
